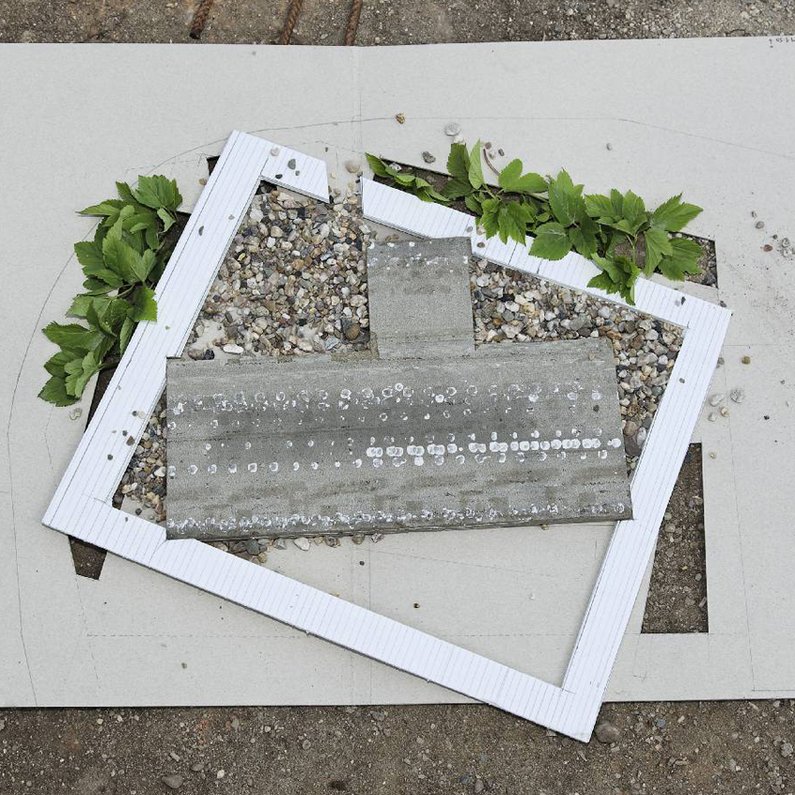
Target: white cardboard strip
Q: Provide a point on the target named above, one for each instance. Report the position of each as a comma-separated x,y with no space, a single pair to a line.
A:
81,504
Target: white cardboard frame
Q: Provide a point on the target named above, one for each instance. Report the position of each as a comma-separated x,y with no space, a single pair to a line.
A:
82,506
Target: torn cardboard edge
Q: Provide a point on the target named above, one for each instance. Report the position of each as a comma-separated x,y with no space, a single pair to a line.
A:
81,505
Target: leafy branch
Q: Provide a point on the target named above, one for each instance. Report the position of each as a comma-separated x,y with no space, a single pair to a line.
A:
616,232
122,265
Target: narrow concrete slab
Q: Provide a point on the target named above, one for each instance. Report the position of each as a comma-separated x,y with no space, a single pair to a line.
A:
419,298
434,436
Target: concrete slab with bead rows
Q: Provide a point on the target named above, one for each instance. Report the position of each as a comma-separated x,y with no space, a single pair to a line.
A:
435,435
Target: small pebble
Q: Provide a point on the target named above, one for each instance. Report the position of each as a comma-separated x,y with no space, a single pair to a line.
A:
724,412
400,118
607,733
302,543
428,157
760,224
716,399
737,395
232,348
452,129
746,360
172,782
786,750
353,166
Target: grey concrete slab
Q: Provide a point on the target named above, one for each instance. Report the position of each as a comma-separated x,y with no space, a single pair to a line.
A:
419,298
526,434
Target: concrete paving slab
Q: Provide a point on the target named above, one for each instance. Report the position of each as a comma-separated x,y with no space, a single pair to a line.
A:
419,298
527,435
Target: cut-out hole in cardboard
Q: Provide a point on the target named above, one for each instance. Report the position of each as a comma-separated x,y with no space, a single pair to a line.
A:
677,599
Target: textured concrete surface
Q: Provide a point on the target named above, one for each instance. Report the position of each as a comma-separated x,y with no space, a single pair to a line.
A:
419,298
427,439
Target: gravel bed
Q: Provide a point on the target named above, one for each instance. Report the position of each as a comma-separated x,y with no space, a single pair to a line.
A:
294,283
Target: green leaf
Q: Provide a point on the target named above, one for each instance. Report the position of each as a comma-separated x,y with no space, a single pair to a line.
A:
126,195
79,372
475,171
673,214
157,192
96,286
551,242
127,328
473,204
124,260
682,260
108,207
565,198
583,238
89,255
598,206
617,200
512,219
456,189
144,305
610,267
634,210
54,391
80,305
512,180
377,166
603,282
55,364
71,336
658,245
458,163
489,219
167,219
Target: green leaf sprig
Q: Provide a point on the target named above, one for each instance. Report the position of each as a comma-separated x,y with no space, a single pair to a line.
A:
122,265
616,232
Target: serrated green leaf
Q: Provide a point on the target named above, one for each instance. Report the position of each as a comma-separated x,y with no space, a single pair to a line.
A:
458,163
551,242
95,286
71,336
79,372
144,306
511,222
54,391
603,282
634,211
475,171
89,255
598,206
125,194
658,245
55,364
565,198
489,218
157,192
108,207
80,305
473,204
673,214
377,166
512,179
682,260
583,239
457,189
